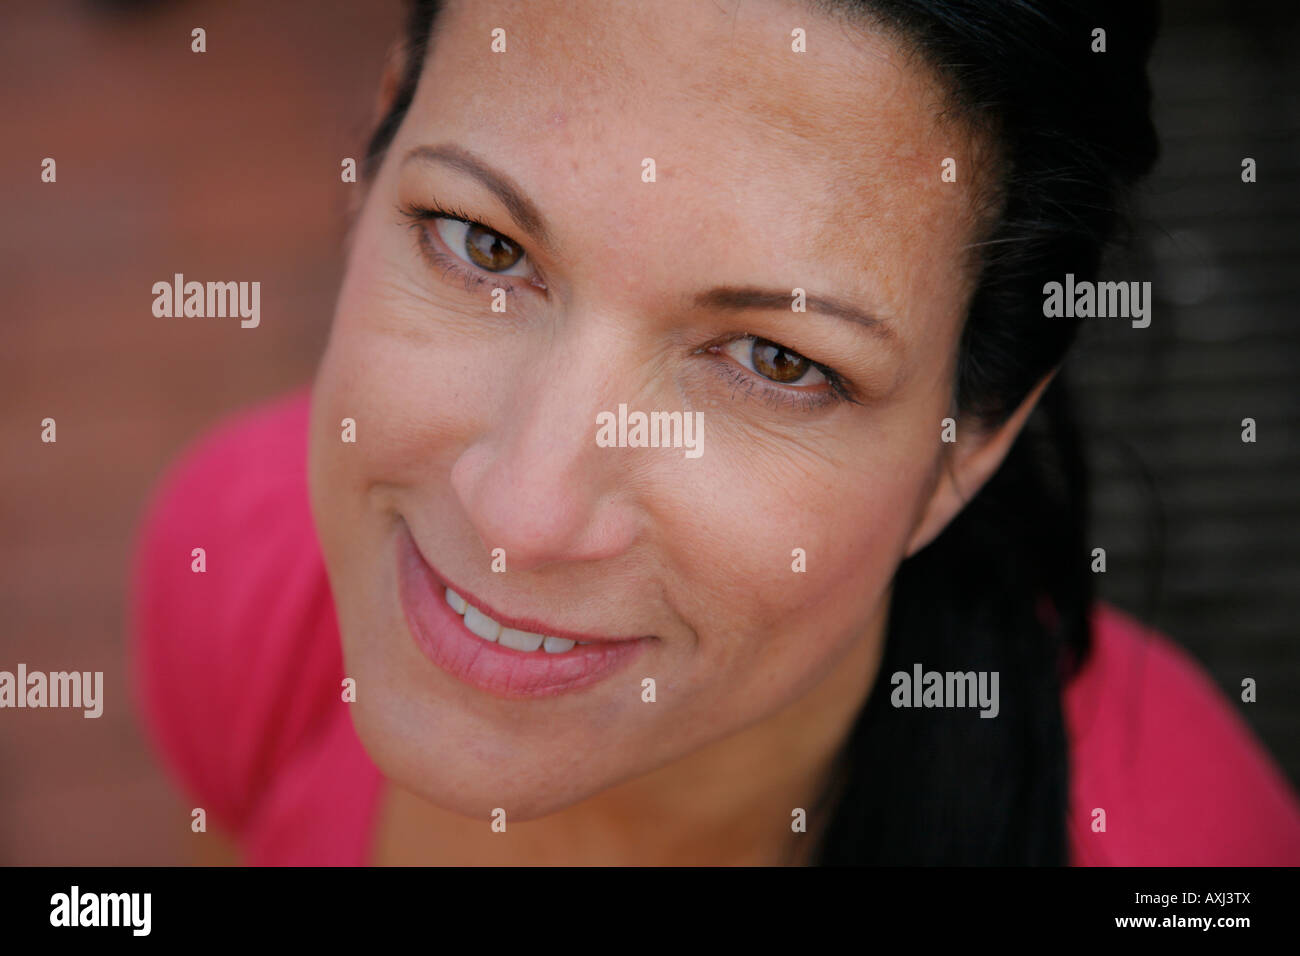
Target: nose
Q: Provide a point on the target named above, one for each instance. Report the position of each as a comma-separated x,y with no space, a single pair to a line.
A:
536,484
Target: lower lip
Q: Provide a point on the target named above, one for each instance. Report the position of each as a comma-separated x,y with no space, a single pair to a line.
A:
441,634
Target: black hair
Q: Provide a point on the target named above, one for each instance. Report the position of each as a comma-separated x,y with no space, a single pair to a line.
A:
1006,586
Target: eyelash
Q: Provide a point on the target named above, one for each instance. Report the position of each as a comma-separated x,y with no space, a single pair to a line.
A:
804,399
419,215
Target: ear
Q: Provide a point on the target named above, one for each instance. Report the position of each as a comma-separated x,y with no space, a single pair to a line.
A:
391,80
390,83
967,464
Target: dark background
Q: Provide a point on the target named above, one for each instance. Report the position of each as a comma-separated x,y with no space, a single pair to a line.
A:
226,165
1200,528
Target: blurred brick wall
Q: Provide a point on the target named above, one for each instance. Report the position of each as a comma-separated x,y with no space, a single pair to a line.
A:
223,166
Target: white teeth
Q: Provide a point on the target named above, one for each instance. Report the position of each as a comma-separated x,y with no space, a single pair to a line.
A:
482,625
520,640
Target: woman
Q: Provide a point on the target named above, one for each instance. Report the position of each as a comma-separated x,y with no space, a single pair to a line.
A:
686,479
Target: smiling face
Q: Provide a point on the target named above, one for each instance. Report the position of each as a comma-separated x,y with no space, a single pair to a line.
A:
476,429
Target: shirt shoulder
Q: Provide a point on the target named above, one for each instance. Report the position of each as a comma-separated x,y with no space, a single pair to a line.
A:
1178,774
226,638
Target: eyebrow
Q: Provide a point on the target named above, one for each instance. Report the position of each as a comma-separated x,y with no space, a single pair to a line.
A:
740,298
724,298
520,207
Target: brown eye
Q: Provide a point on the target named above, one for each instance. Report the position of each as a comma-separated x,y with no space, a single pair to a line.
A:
777,363
490,250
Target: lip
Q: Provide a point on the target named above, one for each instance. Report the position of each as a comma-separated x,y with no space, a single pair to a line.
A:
501,671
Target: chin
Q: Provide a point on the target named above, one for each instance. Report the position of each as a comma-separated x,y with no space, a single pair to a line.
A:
468,770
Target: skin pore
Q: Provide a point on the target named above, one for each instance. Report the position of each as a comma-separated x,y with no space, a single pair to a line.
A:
476,429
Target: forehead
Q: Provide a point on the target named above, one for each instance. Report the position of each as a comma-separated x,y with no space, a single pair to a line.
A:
771,165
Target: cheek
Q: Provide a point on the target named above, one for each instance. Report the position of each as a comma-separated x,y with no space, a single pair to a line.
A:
392,367
370,377
791,563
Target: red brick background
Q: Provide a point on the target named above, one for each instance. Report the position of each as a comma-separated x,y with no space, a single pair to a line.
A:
223,166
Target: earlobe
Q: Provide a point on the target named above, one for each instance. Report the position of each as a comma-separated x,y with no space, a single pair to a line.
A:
967,464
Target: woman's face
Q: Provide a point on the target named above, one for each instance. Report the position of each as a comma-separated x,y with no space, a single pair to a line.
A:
477,430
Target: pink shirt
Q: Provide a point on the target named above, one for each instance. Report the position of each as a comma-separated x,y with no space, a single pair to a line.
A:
238,674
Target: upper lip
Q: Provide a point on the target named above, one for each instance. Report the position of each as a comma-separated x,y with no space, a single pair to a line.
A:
529,624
